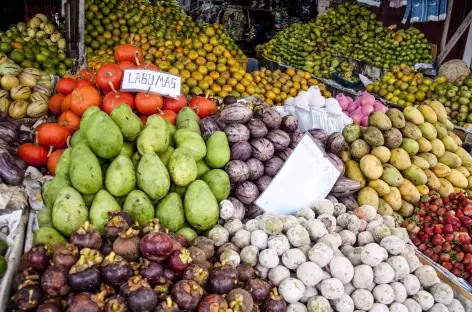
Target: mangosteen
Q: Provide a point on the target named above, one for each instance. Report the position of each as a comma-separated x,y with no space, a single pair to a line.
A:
259,289
106,248
100,297
171,275
245,272
205,244
274,303
119,221
22,276
151,271
227,246
197,254
212,303
196,273
134,282
240,300
180,239
29,295
84,275
116,303
55,282
126,244
229,99
39,257
115,270
49,307
179,260
86,236
156,245
167,306
65,256
221,279
163,289
142,298
82,302
187,294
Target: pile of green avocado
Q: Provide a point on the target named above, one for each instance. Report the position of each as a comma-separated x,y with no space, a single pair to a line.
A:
157,170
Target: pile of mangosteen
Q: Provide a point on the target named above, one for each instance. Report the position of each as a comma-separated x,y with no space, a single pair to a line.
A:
137,268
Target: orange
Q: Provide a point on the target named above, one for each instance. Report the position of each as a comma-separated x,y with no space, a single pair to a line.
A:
197,76
215,88
232,81
227,88
240,88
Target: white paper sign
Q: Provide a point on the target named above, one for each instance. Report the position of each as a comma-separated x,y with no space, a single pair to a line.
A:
143,80
306,177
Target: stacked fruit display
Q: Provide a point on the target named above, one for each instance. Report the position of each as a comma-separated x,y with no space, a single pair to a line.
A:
457,98
351,30
441,228
24,92
129,166
404,87
38,44
274,87
135,268
402,156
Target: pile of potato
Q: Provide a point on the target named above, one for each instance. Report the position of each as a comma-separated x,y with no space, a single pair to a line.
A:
403,155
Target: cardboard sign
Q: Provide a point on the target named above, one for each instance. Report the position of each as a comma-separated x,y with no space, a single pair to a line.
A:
144,80
307,176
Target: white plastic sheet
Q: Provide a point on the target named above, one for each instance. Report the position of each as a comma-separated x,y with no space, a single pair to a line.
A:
306,177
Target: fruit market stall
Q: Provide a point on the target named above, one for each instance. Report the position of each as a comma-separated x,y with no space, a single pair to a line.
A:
166,177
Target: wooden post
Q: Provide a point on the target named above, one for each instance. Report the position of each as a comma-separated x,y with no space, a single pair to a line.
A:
450,4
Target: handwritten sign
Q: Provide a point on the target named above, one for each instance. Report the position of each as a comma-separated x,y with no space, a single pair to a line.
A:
306,177
144,80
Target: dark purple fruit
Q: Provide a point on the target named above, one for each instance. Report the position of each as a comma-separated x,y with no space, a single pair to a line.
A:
115,271
211,303
86,280
82,302
205,244
259,290
106,248
55,282
134,283
240,300
274,303
49,307
167,306
65,256
196,273
156,246
126,244
28,296
245,272
84,275
142,300
152,271
86,237
179,260
221,279
171,275
116,303
39,257
187,294
180,239
117,223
